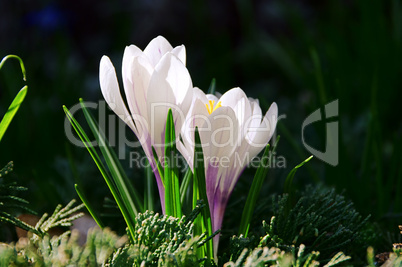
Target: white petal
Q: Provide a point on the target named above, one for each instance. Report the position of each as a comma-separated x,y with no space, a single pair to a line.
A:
141,73
173,71
196,117
232,97
179,79
199,94
155,50
170,85
137,93
129,54
238,101
180,52
221,141
254,121
264,133
111,92
187,153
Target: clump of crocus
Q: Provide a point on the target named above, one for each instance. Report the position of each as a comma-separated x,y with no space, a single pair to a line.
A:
232,131
155,80
232,128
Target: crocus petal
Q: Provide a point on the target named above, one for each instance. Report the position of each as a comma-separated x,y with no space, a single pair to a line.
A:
130,52
141,72
254,121
156,49
197,116
218,145
135,79
264,133
180,52
221,140
111,92
199,94
238,101
169,88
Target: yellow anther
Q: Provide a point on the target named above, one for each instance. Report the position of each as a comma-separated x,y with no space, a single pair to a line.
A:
211,108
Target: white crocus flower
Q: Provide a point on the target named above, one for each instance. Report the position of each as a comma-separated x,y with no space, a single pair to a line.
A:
232,131
154,80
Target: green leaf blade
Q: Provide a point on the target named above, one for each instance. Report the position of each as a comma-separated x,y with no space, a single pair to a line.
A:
12,110
200,192
109,181
171,179
255,189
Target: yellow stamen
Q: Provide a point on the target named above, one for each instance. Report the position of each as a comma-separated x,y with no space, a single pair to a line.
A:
210,106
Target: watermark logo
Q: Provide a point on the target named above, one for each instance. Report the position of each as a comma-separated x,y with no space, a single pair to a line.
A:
219,131
331,154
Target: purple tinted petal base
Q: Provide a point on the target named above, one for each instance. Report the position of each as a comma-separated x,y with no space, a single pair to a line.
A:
219,190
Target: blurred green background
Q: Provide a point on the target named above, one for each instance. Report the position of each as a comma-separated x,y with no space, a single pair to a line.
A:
301,54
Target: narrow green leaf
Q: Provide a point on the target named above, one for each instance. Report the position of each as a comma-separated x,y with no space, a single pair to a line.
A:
158,165
129,194
319,77
12,110
212,87
109,181
188,176
24,75
288,188
172,191
255,189
200,192
149,189
89,207
289,178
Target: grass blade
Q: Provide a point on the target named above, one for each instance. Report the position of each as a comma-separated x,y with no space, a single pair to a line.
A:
185,183
255,189
12,110
200,192
171,179
158,165
89,207
127,191
24,74
149,189
319,77
289,178
288,188
212,87
109,181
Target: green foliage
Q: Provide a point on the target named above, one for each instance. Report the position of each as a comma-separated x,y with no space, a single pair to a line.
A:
184,255
62,250
60,217
170,176
15,105
258,257
240,243
160,239
321,219
9,202
255,189
124,194
39,249
265,256
203,223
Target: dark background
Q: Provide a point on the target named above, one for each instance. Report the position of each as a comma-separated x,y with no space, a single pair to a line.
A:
265,47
